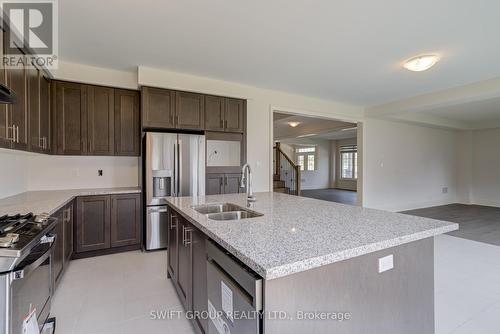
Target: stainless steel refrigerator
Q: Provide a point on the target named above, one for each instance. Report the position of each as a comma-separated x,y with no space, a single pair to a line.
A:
174,166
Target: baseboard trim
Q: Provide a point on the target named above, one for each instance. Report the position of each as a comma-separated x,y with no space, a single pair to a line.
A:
486,202
106,251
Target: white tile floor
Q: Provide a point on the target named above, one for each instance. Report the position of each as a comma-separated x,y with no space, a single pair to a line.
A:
467,278
115,293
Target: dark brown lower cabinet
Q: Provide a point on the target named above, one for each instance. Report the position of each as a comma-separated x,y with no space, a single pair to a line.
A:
68,232
223,183
184,282
107,224
173,239
125,220
93,223
63,247
199,275
187,266
58,252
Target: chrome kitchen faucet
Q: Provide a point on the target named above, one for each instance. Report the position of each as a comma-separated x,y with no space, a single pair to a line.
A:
247,180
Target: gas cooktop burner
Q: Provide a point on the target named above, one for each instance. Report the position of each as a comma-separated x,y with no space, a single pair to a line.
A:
9,224
18,230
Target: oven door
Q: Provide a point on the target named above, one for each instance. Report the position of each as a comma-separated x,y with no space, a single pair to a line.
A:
31,286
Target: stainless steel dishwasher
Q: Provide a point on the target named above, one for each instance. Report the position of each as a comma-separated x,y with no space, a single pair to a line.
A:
234,294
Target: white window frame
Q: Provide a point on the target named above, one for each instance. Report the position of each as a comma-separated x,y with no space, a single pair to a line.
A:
349,149
305,152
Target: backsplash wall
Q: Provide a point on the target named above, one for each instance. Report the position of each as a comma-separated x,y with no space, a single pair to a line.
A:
13,172
22,171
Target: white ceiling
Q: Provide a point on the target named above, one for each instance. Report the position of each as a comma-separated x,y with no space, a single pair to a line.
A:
477,111
345,50
319,128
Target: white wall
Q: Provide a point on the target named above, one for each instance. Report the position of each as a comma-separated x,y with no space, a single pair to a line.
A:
406,166
13,172
96,75
23,171
67,172
485,167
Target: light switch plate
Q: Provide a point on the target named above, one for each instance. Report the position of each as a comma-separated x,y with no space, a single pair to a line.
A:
385,263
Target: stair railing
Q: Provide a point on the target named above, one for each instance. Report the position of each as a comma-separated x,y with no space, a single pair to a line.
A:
287,171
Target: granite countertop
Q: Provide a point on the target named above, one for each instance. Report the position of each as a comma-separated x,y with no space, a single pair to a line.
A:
297,233
52,200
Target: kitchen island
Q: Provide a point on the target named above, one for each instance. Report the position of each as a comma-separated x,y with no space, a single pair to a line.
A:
319,262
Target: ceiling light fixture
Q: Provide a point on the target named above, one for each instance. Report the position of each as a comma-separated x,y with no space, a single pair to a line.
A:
293,124
309,135
421,63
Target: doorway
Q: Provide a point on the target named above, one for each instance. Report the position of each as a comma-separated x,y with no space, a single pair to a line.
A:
317,157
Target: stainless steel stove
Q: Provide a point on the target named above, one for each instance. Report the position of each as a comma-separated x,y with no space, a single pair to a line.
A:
26,281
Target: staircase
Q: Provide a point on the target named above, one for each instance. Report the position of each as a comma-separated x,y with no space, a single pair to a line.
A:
279,185
286,174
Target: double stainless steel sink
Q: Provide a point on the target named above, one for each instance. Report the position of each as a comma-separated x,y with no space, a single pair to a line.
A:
225,211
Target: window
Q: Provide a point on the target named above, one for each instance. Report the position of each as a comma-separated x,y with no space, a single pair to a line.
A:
349,162
306,158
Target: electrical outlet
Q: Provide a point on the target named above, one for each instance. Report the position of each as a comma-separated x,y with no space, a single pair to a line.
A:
385,263
445,190
99,172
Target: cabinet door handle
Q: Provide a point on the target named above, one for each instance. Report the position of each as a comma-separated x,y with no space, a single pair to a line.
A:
189,237
222,123
226,179
45,142
17,134
13,129
172,225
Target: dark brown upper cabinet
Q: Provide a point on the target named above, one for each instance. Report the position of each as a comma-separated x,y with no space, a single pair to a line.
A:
100,118
18,111
96,120
45,114
189,111
214,113
36,141
25,124
70,110
224,114
93,223
234,115
125,220
127,122
158,108
5,132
